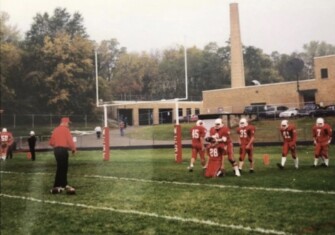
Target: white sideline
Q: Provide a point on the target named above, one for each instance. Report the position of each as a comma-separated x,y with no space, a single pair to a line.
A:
190,184
135,212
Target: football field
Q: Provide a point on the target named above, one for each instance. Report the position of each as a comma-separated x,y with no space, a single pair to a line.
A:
146,192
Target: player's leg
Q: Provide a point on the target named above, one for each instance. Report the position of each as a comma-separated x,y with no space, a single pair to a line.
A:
250,153
242,157
193,157
317,154
293,150
324,155
230,154
285,149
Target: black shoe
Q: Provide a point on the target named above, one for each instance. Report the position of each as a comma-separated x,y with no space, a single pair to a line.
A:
323,165
280,166
314,166
251,171
190,169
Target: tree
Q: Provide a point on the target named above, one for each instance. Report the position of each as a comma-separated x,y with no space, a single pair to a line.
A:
58,63
61,21
258,66
10,64
294,67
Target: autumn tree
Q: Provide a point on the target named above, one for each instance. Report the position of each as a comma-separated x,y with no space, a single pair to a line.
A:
10,64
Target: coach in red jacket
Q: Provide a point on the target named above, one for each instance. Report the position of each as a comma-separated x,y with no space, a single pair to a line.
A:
62,141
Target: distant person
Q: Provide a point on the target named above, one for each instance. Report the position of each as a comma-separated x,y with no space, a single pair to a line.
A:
97,130
289,136
7,140
125,120
198,133
62,141
32,144
121,126
246,133
322,136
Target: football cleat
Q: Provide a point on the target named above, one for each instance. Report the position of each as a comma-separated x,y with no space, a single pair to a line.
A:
251,171
280,166
190,169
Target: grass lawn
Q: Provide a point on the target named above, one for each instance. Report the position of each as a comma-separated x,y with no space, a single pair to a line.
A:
146,192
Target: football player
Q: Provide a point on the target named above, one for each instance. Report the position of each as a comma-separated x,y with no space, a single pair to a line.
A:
215,151
7,140
289,136
198,133
322,136
246,133
222,135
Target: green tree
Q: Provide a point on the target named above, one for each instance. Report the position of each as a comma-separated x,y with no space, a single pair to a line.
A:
10,64
59,64
258,66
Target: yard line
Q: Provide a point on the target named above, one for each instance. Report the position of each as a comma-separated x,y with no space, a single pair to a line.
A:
213,185
149,214
289,190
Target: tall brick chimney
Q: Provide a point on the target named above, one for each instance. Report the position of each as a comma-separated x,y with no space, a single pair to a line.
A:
237,65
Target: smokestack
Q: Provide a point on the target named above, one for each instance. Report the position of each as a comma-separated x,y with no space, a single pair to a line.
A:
237,65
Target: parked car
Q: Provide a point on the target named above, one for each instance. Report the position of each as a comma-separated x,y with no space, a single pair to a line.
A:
291,112
307,110
324,111
273,111
254,109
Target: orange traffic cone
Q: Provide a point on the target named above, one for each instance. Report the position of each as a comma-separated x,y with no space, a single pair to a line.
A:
266,159
28,155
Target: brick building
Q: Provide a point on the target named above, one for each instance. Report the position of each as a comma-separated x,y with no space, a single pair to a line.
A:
319,90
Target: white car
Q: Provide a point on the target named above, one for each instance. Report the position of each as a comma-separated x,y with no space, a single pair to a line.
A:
291,112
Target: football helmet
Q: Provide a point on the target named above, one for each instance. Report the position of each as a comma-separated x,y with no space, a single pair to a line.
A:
218,123
243,122
199,123
320,121
4,130
32,133
284,124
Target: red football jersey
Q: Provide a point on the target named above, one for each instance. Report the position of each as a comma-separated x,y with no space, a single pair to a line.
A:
215,156
322,134
246,133
289,134
197,132
6,138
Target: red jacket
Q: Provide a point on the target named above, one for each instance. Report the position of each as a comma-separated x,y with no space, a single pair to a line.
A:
61,137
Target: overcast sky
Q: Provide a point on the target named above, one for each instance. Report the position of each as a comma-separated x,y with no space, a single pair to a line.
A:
146,25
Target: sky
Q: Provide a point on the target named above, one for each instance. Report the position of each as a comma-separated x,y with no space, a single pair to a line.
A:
149,25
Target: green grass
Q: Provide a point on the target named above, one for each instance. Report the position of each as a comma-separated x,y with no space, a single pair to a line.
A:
266,130
146,192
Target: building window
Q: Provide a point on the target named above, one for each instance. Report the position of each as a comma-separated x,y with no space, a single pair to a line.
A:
324,73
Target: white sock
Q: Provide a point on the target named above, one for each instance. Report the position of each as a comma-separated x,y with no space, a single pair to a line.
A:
283,161
296,163
316,161
240,165
326,161
237,171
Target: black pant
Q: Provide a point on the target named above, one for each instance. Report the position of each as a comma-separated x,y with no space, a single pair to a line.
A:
62,159
32,151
